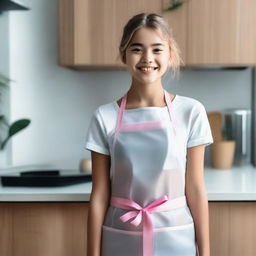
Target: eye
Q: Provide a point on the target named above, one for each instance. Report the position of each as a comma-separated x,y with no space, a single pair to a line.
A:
136,50
157,50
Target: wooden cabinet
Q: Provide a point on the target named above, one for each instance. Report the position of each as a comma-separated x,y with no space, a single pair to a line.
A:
60,229
232,228
43,229
221,32
90,31
209,32
177,20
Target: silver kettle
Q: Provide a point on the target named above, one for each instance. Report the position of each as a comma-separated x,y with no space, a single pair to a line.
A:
237,126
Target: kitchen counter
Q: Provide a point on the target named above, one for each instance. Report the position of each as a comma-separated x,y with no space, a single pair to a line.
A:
236,184
71,193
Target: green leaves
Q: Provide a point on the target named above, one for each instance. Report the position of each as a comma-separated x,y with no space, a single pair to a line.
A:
18,126
174,4
3,120
15,127
4,81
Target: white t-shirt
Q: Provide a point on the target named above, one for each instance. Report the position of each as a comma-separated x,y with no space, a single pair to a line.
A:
190,116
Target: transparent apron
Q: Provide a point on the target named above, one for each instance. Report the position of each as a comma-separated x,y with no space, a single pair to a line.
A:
148,214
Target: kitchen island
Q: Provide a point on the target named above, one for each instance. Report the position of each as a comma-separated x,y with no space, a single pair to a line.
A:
52,221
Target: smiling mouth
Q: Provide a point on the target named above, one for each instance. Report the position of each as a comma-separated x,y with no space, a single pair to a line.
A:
147,69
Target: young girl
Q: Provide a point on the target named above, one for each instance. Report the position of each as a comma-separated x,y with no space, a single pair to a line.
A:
148,196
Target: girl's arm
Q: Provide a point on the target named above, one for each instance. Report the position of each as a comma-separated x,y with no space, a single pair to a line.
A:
197,197
99,201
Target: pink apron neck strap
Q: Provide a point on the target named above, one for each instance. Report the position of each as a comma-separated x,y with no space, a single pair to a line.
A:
122,109
121,112
170,109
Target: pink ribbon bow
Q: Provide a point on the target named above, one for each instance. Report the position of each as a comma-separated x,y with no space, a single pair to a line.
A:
140,214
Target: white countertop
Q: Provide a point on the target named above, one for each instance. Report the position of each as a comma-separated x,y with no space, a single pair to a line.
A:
236,184
71,193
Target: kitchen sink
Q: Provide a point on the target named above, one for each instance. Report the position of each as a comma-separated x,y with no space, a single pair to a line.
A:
44,178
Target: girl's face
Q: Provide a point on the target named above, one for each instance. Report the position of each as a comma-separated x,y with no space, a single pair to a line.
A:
147,56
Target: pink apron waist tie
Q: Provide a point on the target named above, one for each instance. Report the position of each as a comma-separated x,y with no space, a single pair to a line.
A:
143,214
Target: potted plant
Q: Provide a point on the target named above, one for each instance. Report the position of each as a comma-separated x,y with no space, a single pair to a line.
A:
8,130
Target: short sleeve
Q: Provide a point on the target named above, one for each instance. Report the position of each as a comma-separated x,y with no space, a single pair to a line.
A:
96,138
200,130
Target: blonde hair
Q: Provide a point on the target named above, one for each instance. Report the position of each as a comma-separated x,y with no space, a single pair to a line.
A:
153,21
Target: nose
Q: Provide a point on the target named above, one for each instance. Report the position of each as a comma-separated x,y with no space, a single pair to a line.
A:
147,57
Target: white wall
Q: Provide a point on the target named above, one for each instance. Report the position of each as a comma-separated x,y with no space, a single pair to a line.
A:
5,156
60,101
